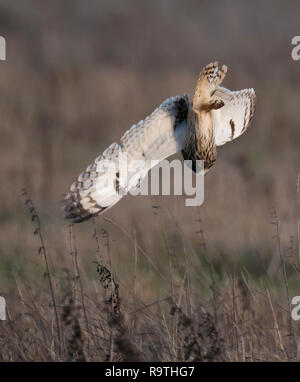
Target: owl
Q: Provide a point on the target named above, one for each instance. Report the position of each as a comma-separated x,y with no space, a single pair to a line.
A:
195,128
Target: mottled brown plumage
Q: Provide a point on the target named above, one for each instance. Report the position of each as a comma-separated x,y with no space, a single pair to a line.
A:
199,142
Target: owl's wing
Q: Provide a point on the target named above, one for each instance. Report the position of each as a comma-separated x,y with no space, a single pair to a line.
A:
233,119
157,137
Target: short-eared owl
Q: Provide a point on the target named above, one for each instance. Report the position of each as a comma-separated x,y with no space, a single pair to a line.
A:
214,117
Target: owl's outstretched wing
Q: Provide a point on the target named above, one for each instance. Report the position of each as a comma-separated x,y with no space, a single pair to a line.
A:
157,137
233,119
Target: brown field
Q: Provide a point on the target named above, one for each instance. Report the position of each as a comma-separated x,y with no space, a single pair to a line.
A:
212,283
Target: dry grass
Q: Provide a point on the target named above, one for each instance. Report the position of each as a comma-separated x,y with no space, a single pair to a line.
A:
65,317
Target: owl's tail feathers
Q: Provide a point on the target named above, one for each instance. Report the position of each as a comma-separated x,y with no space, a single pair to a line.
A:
209,79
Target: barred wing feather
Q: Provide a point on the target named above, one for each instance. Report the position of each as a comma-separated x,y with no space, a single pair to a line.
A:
157,137
233,119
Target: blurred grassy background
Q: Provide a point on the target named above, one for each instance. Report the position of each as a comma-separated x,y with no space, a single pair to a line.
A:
79,73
